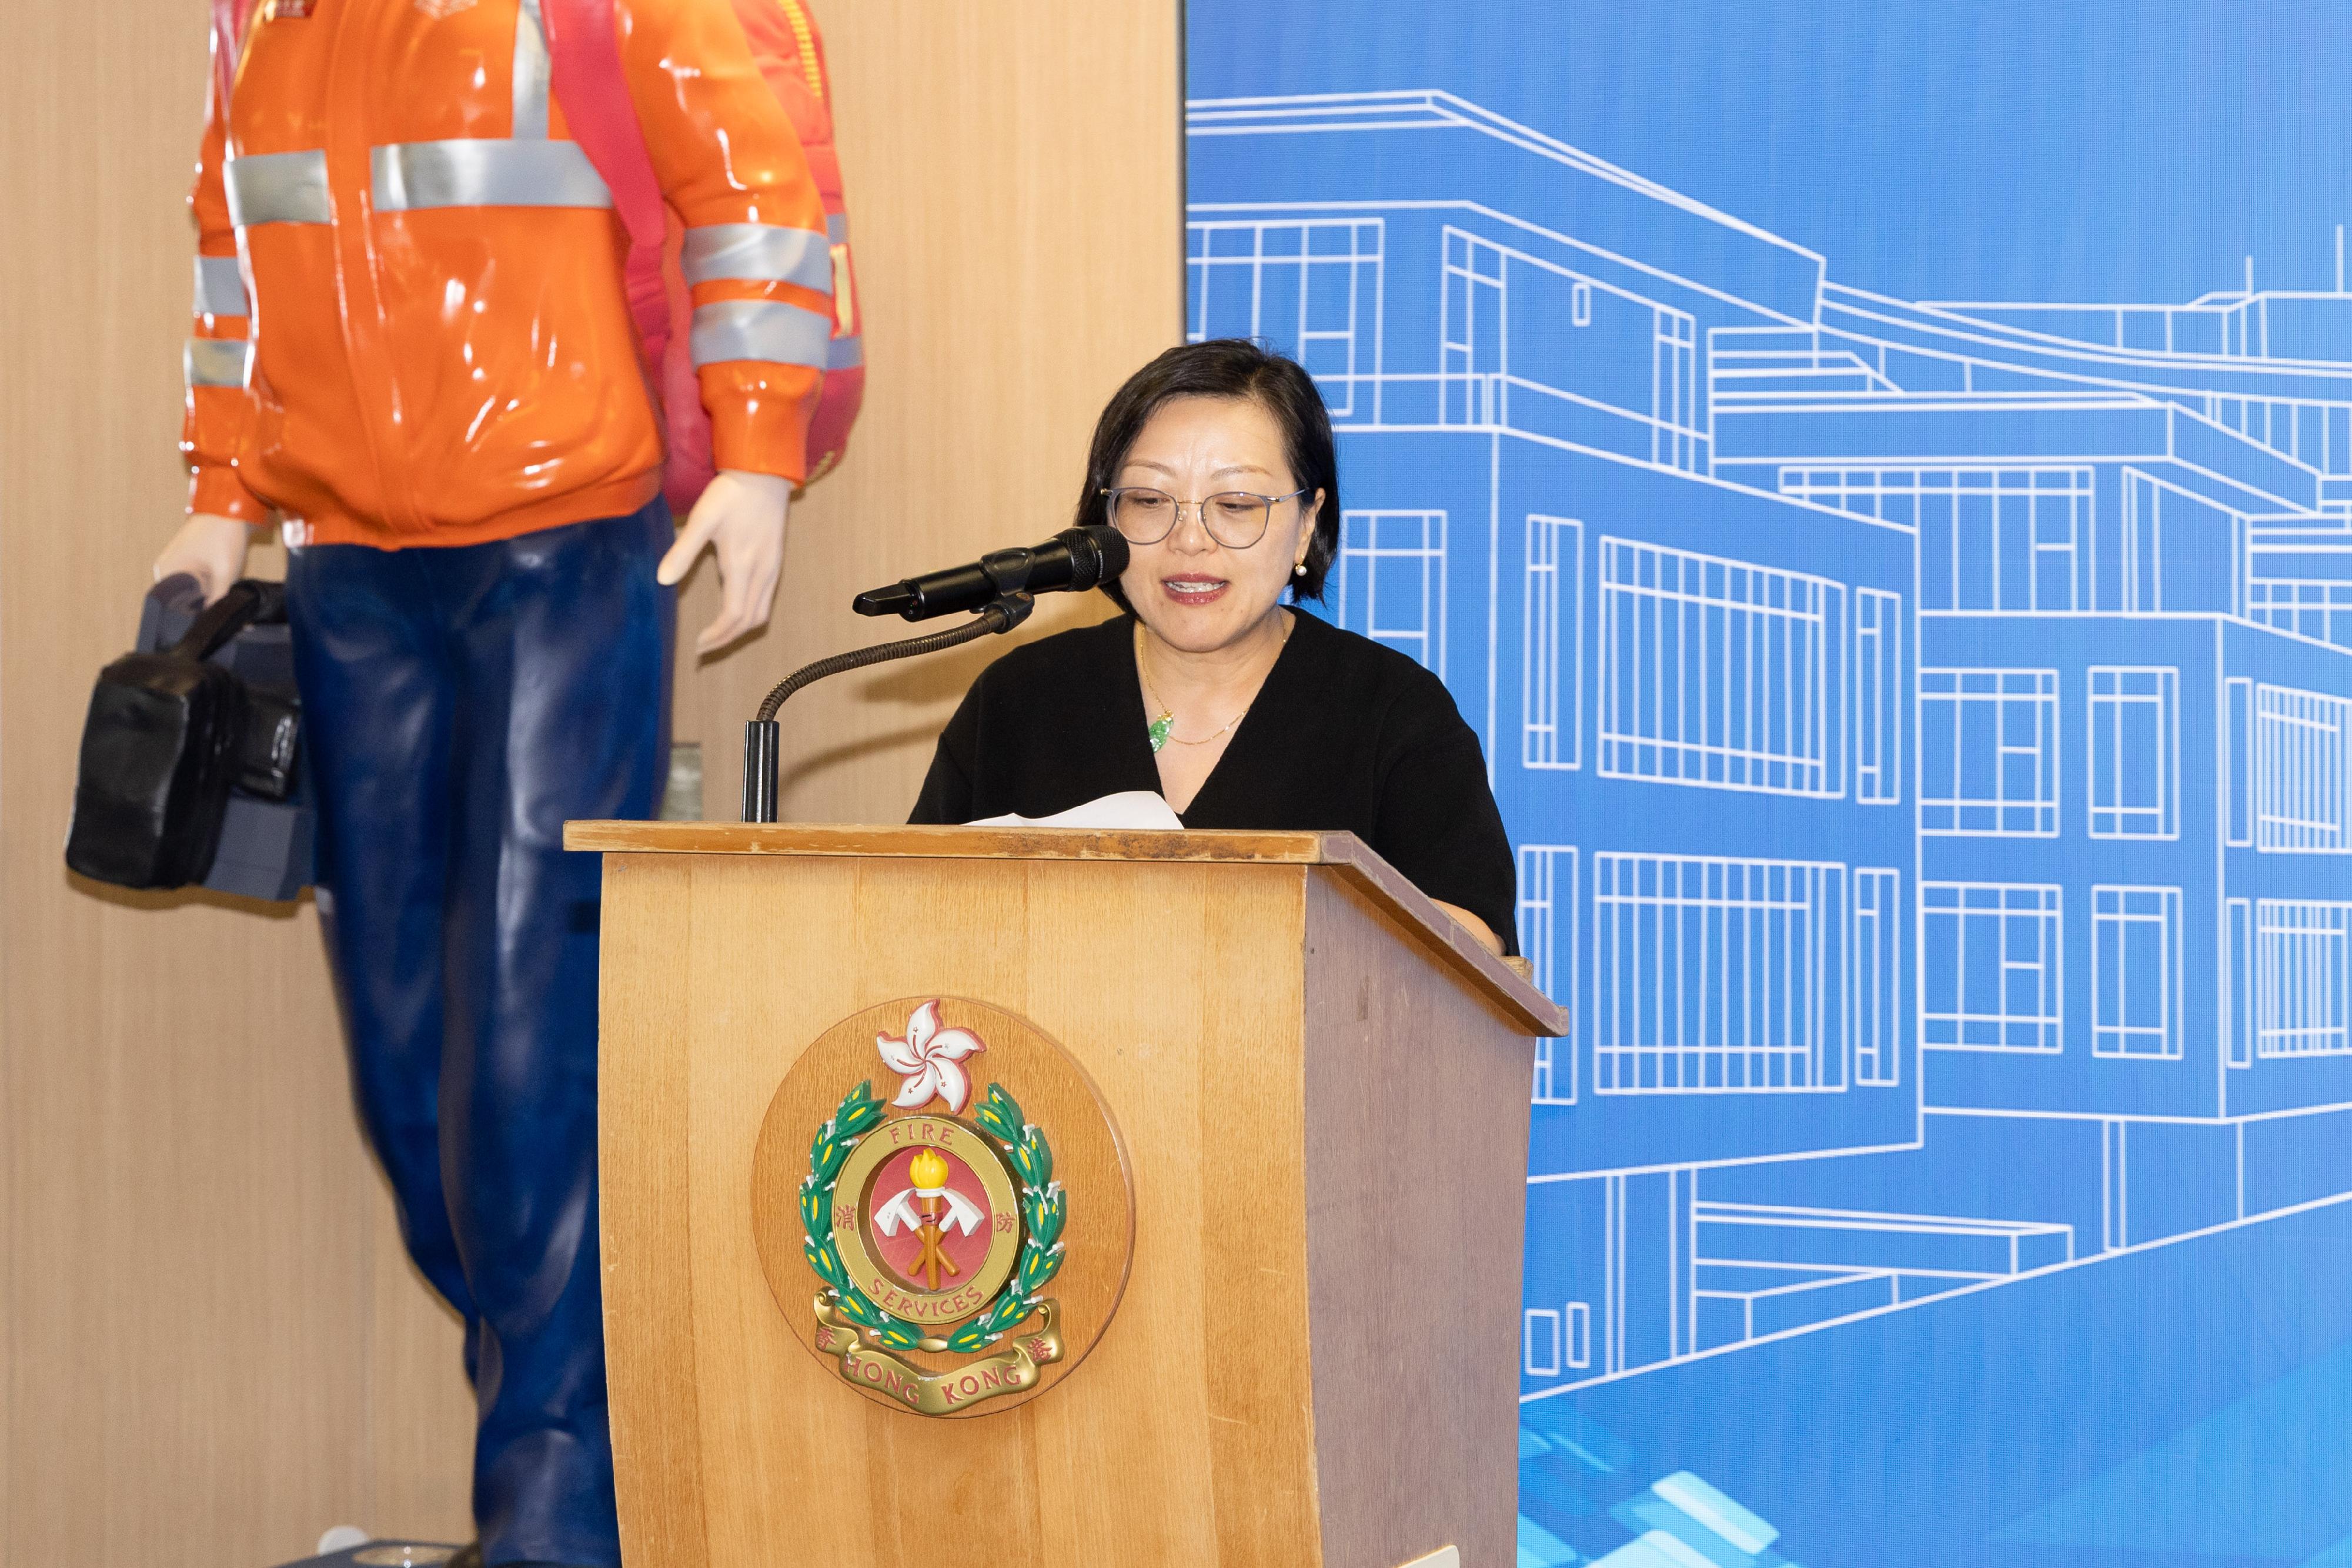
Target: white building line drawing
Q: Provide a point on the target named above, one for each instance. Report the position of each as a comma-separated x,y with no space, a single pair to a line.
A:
2299,959
2301,770
1926,727
1711,974
1988,752
2133,755
2136,971
1993,966
1719,672
1390,581
1875,964
1548,913
1552,657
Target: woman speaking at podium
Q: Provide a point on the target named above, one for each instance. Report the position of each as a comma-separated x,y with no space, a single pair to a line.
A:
1216,463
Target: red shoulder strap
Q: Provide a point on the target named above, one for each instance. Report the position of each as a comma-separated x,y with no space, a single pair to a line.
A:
584,59
229,18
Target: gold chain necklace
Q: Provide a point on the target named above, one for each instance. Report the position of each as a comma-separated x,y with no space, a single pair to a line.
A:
1162,730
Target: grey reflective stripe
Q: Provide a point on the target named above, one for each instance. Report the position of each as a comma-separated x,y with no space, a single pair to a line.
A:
836,228
215,361
220,288
277,188
758,253
480,172
847,353
769,329
531,74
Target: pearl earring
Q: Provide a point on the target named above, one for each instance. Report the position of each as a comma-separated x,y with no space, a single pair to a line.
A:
1298,568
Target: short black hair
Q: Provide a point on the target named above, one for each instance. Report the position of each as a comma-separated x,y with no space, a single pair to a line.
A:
1226,368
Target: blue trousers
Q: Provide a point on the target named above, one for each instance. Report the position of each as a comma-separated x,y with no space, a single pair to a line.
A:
459,705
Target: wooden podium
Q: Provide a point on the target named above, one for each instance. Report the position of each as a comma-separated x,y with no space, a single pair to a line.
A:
1320,1087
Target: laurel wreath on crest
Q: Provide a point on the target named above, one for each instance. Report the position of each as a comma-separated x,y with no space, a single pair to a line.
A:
1043,1213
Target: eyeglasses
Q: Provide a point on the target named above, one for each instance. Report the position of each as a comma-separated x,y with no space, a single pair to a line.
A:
1235,518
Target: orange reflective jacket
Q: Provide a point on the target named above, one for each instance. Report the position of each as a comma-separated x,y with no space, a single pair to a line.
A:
411,324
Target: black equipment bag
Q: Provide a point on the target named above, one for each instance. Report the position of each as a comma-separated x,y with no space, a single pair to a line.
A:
189,753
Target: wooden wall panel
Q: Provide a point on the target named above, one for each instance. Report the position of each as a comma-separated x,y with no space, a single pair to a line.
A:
211,1346
1014,195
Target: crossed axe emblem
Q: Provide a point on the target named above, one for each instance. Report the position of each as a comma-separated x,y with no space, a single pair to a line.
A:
918,1209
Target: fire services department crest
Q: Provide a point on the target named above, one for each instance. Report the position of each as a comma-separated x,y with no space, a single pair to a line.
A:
932,1223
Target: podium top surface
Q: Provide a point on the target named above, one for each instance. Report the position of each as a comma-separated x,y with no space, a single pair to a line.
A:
1347,857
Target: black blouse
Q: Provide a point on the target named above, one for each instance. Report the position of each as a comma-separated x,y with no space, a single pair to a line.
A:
1345,734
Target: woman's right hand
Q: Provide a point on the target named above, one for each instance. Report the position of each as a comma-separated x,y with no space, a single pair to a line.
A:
1479,930
208,547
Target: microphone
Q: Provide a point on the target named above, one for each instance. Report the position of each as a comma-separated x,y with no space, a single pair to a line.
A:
1075,558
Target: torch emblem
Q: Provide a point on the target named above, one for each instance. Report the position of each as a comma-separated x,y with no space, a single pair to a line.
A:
929,1208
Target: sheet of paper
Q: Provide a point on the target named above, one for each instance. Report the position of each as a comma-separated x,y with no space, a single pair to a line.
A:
1129,809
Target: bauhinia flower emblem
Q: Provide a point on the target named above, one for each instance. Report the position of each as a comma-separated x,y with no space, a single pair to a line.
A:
930,1061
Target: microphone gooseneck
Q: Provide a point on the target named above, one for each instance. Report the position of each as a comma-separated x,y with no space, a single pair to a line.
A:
762,739
997,588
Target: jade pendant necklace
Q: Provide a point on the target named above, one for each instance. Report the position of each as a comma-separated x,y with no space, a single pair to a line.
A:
1162,730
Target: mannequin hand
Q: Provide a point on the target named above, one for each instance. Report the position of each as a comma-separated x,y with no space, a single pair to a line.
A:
208,547
742,516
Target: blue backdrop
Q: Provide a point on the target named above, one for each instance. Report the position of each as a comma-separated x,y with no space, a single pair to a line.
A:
1878,477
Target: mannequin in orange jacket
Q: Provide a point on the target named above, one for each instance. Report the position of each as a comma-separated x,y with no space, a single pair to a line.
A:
413,345
390,346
